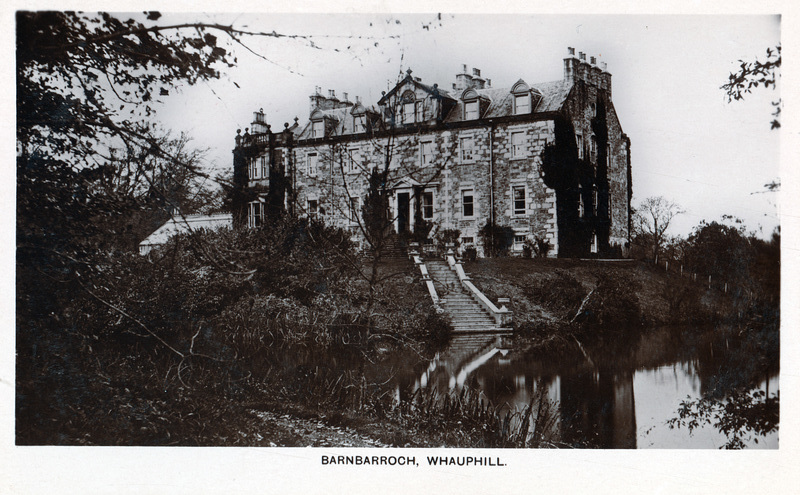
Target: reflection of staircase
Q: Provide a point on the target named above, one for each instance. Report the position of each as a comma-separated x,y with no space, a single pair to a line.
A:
466,352
467,314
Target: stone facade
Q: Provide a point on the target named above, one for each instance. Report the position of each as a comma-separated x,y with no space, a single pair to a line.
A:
547,161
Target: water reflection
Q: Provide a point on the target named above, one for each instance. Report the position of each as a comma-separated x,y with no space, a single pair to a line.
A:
618,398
617,401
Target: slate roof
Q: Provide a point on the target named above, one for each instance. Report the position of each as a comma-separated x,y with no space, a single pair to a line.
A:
180,225
341,117
554,93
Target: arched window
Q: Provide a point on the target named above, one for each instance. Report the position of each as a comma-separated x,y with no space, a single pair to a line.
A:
524,98
412,109
472,107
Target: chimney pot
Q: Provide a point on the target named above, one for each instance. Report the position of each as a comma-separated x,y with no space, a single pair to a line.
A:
582,56
345,96
571,50
604,65
331,94
464,68
594,60
489,82
476,72
358,99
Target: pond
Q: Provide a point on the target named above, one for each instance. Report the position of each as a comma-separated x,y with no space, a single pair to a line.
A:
616,397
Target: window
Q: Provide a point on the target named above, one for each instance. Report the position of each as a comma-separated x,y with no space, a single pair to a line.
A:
581,210
264,167
409,110
311,164
594,243
519,241
467,203
594,202
467,240
318,129
354,209
593,148
253,172
579,140
420,109
518,193
426,152
353,160
358,124
518,144
313,207
471,110
609,207
427,205
255,214
467,145
522,104
594,109
608,156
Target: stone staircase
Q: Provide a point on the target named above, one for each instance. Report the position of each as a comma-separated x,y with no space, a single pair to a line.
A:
467,314
393,247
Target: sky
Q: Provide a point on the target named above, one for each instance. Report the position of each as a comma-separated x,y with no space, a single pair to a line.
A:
688,143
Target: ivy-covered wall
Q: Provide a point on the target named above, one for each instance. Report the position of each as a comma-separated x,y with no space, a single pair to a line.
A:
588,167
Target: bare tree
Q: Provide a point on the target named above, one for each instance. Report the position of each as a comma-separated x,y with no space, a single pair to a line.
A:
651,221
369,180
752,74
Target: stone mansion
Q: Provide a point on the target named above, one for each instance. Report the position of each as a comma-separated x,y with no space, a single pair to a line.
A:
548,160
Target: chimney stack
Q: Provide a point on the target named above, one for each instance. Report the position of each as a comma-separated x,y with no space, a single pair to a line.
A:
571,65
317,100
477,81
463,80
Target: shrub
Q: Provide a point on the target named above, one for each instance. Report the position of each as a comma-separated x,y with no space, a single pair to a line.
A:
560,292
614,303
448,236
497,239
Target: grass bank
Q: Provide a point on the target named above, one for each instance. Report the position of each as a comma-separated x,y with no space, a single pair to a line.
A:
556,301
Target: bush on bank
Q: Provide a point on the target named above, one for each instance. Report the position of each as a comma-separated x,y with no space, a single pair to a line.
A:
158,349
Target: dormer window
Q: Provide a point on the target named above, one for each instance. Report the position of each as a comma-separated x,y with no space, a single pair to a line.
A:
358,124
408,112
524,98
522,104
471,110
318,129
472,107
412,109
